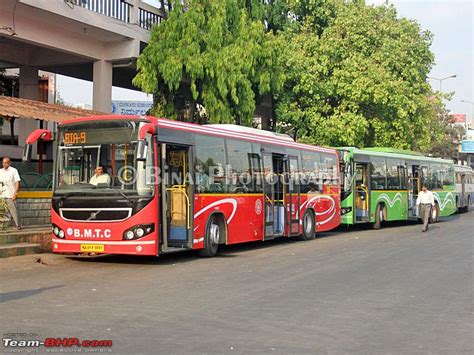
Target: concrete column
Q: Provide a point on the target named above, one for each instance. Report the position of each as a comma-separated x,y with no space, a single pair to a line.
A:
134,11
29,83
28,90
102,88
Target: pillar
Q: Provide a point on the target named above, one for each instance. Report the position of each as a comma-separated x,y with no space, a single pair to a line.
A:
102,86
29,89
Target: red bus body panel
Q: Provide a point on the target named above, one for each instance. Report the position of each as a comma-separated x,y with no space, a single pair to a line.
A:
244,213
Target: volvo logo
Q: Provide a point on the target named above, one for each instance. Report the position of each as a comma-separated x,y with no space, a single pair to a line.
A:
93,215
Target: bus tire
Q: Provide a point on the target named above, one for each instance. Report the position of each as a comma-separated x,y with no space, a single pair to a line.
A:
211,238
434,218
378,217
309,222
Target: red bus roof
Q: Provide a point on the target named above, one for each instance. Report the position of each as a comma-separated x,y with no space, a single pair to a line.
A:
224,131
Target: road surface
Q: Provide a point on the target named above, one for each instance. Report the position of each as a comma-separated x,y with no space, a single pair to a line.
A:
395,290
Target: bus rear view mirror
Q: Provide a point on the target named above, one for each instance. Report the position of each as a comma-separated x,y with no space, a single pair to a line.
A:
142,150
27,152
33,137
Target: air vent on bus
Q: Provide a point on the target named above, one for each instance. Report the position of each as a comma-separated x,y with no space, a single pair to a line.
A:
95,214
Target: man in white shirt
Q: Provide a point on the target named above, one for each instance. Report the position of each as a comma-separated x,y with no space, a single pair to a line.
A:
9,186
426,201
100,177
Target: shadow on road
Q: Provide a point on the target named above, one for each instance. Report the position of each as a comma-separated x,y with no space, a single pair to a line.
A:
236,250
16,295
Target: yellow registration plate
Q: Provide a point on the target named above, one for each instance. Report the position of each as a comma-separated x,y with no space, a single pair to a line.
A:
92,247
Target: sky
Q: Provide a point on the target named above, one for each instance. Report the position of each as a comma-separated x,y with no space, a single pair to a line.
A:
451,22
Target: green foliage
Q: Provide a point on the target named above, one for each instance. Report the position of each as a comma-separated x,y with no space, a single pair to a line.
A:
361,81
338,72
443,135
213,55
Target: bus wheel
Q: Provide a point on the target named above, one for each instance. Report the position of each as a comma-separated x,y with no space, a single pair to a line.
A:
211,239
308,225
434,218
378,217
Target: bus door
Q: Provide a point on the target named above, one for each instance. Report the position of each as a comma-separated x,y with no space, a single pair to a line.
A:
362,196
268,195
176,197
274,191
463,200
293,196
413,188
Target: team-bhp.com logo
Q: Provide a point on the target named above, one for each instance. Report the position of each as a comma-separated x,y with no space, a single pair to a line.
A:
13,345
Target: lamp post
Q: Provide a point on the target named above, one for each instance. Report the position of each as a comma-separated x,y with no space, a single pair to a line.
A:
441,80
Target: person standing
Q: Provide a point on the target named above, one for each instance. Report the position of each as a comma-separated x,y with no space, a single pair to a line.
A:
425,201
10,184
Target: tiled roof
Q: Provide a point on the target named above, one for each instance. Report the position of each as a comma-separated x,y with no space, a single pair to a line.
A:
21,108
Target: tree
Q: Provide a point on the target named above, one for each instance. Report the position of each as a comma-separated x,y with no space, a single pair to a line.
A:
8,87
444,135
208,63
359,81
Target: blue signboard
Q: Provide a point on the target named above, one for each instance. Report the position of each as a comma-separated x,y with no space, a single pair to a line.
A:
467,146
134,108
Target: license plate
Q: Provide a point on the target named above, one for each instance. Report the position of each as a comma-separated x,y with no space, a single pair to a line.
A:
92,247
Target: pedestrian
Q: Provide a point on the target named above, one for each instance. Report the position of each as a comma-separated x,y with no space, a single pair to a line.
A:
425,201
10,184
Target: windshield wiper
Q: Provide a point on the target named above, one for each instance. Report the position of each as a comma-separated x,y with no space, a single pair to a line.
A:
69,194
121,193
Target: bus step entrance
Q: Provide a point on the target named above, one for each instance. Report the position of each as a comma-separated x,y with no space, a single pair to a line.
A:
176,249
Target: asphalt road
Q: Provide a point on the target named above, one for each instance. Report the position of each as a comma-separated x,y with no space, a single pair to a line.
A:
396,290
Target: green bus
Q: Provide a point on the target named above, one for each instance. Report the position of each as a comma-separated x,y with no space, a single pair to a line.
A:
382,184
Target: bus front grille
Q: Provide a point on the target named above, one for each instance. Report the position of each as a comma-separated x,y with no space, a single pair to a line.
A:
95,214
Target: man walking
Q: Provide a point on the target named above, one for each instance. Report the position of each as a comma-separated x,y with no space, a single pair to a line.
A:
9,186
425,201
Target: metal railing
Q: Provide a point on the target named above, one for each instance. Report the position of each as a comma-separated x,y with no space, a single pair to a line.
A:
147,19
32,181
145,15
113,8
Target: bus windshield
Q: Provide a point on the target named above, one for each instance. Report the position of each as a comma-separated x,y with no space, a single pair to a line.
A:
101,156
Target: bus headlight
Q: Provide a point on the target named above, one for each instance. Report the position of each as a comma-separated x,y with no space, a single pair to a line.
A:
61,233
56,231
139,232
129,235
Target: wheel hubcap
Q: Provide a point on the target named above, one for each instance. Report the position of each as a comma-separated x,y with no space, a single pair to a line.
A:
214,233
309,224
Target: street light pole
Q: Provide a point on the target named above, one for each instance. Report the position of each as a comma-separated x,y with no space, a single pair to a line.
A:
442,79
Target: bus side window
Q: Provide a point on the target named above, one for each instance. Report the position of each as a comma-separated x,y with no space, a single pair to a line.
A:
255,172
378,173
210,163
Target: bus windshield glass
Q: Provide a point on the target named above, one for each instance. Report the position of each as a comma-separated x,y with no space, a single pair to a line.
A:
101,156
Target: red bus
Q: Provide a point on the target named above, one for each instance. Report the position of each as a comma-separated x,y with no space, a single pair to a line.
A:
164,186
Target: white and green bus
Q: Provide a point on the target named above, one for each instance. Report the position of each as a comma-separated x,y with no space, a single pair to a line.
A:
382,184
464,187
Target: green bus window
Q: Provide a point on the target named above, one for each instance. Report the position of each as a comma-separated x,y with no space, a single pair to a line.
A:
435,176
448,175
378,173
403,174
393,178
